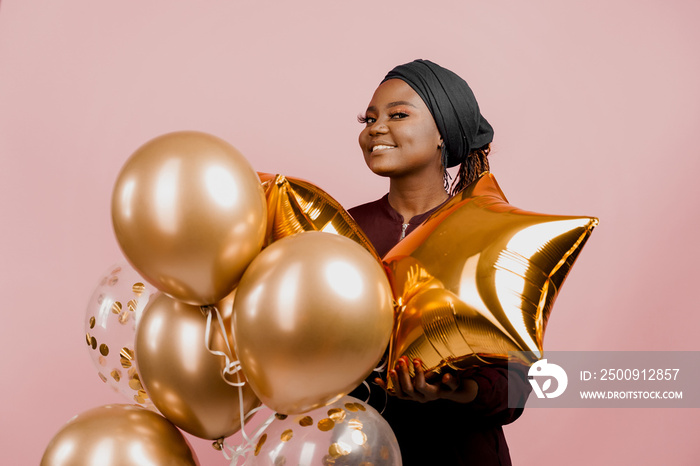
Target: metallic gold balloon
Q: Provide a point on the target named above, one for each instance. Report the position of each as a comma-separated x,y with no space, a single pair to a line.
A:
295,205
181,376
478,279
312,317
189,214
118,435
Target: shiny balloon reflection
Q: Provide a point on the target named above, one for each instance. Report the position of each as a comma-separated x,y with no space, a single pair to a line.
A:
312,317
295,205
344,279
478,280
118,435
182,377
189,214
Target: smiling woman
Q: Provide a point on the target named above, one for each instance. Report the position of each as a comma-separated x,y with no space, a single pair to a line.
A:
423,119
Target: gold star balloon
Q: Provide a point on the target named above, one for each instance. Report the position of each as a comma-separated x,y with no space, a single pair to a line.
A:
295,205
478,279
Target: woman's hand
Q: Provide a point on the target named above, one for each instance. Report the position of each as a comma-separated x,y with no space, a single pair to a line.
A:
448,387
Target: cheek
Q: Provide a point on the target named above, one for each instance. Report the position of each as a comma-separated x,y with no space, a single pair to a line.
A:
431,136
362,139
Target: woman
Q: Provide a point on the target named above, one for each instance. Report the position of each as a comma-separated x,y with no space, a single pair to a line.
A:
423,119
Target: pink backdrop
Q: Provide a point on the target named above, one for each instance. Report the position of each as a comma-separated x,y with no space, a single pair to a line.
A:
595,106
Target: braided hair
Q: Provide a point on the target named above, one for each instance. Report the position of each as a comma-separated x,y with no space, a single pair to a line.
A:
470,169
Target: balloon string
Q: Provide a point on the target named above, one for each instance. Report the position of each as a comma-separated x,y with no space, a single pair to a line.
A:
382,366
244,450
231,367
234,367
243,416
379,369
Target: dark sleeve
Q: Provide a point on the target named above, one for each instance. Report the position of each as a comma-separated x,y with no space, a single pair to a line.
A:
491,403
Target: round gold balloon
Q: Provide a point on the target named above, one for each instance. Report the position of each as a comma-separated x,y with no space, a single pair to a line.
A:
183,379
312,317
118,435
295,205
478,279
189,214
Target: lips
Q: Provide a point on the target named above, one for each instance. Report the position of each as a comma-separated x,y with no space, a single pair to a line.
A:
377,147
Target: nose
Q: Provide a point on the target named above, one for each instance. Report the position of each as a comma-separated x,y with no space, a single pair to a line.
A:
378,127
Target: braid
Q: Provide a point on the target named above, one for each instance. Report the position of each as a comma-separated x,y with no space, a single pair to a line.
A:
471,168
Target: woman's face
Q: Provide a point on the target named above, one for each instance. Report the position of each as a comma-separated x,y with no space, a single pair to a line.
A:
400,137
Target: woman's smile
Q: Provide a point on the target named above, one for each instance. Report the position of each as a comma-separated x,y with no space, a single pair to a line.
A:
378,147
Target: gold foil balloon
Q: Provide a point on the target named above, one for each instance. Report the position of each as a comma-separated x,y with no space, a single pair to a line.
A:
189,214
478,279
347,432
118,435
295,205
112,313
312,317
182,377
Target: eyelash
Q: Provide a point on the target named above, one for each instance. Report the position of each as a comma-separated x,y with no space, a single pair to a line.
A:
363,119
403,114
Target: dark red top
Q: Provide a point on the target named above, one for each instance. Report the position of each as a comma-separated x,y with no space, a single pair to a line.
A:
441,432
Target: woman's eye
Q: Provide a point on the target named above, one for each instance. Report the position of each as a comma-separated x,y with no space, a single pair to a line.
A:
366,120
399,115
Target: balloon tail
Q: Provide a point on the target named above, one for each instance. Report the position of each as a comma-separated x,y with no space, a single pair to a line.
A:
231,367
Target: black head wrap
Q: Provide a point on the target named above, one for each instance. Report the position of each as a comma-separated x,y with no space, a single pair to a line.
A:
452,104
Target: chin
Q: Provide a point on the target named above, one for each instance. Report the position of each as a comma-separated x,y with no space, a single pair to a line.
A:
380,171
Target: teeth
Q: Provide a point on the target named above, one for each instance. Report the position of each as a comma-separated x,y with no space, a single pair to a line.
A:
379,147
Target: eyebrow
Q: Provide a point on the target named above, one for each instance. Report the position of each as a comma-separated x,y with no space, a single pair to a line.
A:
392,104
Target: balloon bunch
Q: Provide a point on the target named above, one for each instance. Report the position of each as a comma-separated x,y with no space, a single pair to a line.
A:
245,289
241,289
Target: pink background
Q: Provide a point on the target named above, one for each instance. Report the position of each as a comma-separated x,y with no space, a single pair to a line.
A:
595,107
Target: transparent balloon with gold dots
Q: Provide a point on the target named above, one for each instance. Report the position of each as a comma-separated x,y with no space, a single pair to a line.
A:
346,432
112,314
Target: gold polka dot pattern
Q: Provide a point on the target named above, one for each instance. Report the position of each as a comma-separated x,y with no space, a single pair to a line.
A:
324,425
260,444
306,421
346,432
110,326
